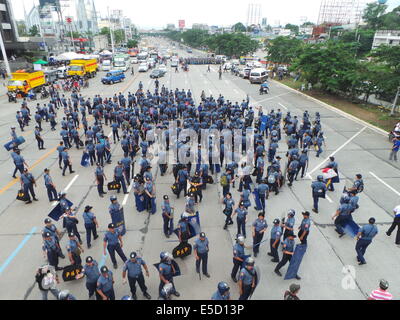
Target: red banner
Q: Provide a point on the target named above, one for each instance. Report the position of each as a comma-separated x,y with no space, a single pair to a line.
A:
181,24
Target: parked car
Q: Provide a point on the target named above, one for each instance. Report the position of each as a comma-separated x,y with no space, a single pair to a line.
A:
162,67
258,75
157,73
245,72
143,67
134,60
113,76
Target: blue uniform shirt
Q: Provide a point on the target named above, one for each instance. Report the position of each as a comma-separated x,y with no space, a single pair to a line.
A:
305,224
246,277
201,246
112,239
105,284
260,225
88,217
241,213
92,273
238,251
134,268
288,245
368,232
276,232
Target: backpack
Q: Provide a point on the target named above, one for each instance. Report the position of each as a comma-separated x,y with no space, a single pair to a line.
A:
224,180
271,179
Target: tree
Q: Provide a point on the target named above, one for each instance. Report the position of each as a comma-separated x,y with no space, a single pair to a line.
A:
308,24
119,36
372,15
21,26
331,64
362,38
293,28
284,49
239,27
76,34
34,31
132,43
194,37
232,44
391,20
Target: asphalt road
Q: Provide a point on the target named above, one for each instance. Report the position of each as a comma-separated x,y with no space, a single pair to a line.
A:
358,148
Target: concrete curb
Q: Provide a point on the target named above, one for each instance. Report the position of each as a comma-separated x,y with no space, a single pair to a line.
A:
343,113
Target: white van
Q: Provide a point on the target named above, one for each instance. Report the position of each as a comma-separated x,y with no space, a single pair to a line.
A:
258,75
106,65
174,62
62,72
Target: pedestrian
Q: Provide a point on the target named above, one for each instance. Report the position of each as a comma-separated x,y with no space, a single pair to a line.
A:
395,149
91,224
39,139
166,272
259,227
54,233
396,223
100,177
238,256
222,292
47,280
119,177
229,204
247,279
276,233
288,223
105,284
19,162
342,215
201,248
381,293
51,250
113,243
51,188
318,191
364,239
291,294
71,221
60,149
133,267
92,273
67,162
74,250
181,180
304,228
241,219
27,183
288,251
168,216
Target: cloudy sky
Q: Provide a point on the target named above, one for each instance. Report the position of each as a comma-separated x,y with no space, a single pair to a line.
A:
158,13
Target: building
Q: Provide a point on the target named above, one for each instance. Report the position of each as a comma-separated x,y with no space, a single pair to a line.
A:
341,12
171,27
387,37
253,14
264,22
86,16
200,26
281,32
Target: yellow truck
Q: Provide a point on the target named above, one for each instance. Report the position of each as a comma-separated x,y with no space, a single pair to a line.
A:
22,81
83,67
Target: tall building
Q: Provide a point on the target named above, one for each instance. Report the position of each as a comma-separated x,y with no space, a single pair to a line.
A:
86,16
264,22
253,14
341,12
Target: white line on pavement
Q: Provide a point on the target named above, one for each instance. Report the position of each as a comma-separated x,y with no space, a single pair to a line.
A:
110,134
236,91
337,150
282,106
266,99
379,179
226,81
127,195
210,91
67,187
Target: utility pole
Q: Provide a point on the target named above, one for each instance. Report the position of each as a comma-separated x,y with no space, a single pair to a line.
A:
395,101
3,51
111,31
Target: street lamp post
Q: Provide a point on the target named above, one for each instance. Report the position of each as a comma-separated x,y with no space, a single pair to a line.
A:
395,101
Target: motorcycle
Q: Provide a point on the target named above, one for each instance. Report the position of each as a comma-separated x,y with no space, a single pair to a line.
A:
12,96
44,94
263,90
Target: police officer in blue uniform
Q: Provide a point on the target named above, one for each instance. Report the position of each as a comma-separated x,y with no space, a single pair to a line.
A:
119,177
74,250
276,233
364,239
100,176
51,189
241,219
229,204
247,279
342,216
318,191
222,293
27,182
201,248
19,162
60,149
288,251
51,250
259,228
167,215
105,284
238,256
288,223
67,162
54,233
304,228
113,243
92,273
133,267
91,223
166,271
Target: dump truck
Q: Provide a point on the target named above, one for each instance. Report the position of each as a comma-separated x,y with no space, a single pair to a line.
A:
23,81
83,67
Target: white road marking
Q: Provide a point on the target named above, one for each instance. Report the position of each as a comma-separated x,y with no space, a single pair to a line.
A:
67,187
337,150
209,90
266,99
236,91
110,134
148,83
282,106
380,180
205,81
226,81
127,195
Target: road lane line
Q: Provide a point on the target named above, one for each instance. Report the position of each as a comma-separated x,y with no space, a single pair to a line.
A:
380,180
127,195
236,91
266,99
209,90
282,106
15,252
67,187
337,150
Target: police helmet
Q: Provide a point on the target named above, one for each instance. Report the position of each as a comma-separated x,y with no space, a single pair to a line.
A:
111,225
383,284
184,215
346,199
63,295
223,287
165,256
47,220
191,194
62,194
103,269
371,220
240,239
112,198
133,255
241,204
71,234
291,212
320,178
89,259
277,221
250,261
165,197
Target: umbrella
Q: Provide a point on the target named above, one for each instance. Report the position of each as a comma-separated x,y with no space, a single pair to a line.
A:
40,61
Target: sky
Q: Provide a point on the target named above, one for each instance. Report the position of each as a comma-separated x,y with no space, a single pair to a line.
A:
158,13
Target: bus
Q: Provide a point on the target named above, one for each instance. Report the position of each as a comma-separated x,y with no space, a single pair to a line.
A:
121,62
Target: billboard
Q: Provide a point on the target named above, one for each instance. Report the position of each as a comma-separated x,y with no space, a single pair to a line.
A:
181,24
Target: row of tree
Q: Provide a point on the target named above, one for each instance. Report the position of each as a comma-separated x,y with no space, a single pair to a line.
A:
230,44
